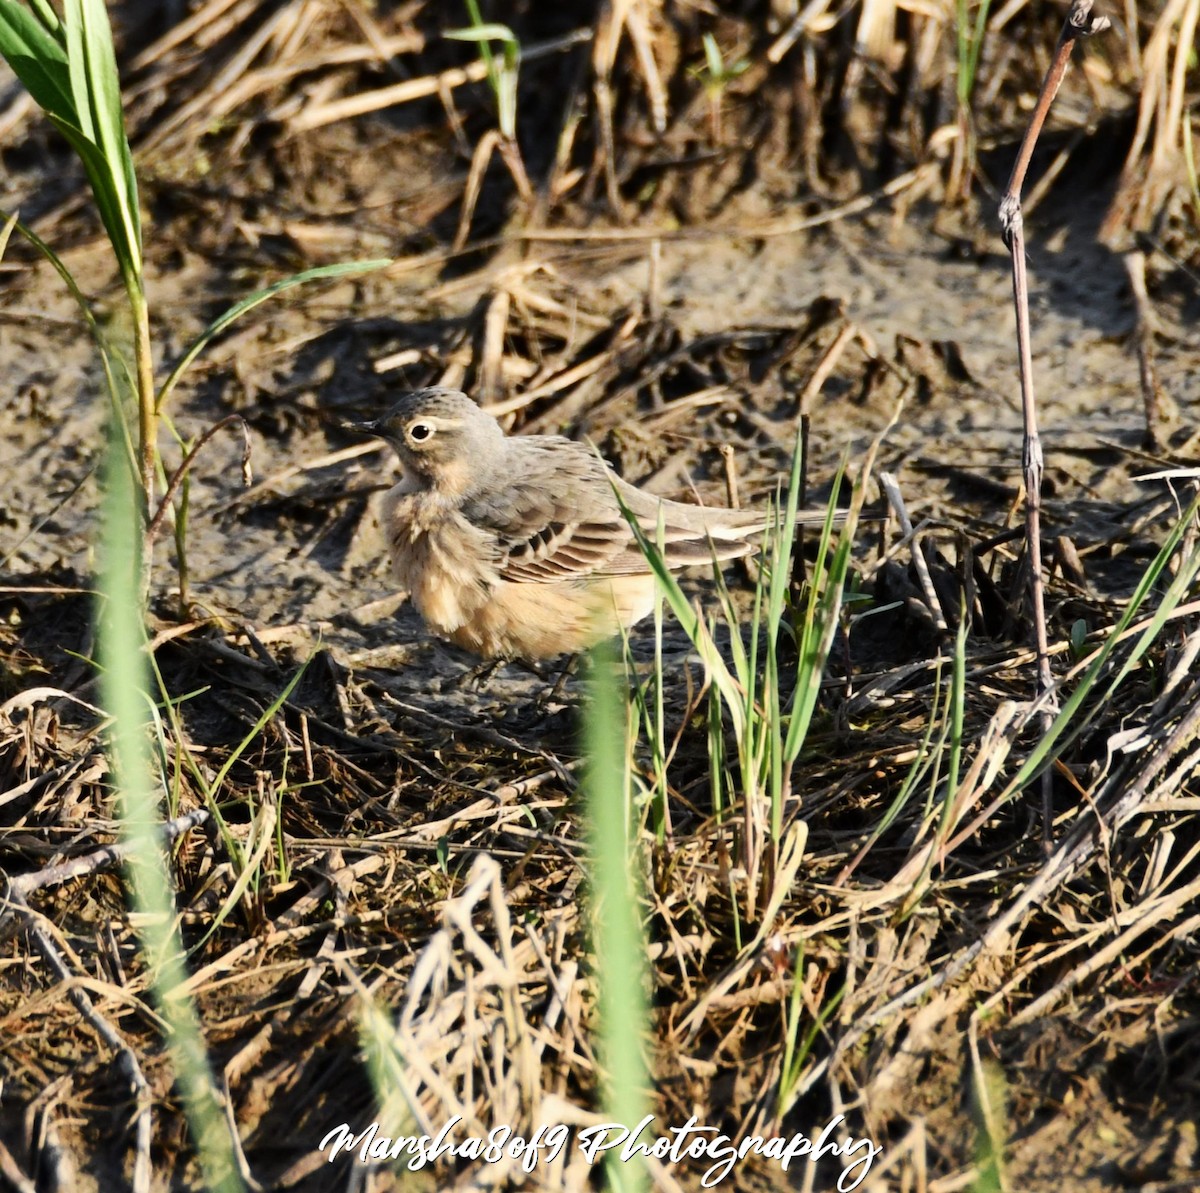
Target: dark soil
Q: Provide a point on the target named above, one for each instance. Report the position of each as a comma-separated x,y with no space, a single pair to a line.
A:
393,771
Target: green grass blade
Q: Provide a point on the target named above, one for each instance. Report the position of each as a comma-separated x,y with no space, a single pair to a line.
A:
743,659
485,49
235,312
783,544
482,33
108,205
926,759
958,700
962,36
49,19
788,1072
37,58
989,1097
693,625
662,788
815,639
105,88
257,727
789,1078
615,885
70,70
1071,721
976,48
81,99
121,646
781,569
212,790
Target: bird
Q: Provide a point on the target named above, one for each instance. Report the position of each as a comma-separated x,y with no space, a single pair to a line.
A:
516,547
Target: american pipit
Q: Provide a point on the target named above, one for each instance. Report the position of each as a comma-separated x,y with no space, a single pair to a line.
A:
516,547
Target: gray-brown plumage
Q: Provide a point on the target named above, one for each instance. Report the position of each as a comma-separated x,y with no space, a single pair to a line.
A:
517,547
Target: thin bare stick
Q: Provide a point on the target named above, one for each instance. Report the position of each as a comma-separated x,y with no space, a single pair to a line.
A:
890,486
1079,23
317,114
183,469
99,859
1156,409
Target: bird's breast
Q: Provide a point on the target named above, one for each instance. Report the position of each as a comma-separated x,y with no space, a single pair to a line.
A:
444,562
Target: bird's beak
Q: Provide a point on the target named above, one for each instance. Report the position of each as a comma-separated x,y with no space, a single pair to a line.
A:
370,427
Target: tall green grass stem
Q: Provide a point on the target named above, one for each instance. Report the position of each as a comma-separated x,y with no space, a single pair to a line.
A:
615,888
121,644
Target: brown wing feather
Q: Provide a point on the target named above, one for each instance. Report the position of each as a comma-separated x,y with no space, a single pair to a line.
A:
563,551
556,518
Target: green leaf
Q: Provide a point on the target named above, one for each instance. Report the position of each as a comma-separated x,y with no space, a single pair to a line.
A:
37,59
99,177
491,32
71,73
81,99
122,649
49,19
104,86
96,94
712,56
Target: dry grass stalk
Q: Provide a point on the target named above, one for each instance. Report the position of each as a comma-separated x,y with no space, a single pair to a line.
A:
1154,164
15,903
1153,177
318,114
898,939
1079,24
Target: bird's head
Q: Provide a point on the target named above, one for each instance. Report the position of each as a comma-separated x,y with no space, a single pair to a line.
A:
441,436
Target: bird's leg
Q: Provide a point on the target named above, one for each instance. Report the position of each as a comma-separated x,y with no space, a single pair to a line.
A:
569,669
479,675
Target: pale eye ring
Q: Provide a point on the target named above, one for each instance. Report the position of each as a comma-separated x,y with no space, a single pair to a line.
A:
420,432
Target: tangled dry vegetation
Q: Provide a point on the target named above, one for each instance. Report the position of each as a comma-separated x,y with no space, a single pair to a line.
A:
383,837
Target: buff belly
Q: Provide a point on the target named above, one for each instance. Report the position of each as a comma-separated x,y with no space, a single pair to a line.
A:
539,621
530,621
502,619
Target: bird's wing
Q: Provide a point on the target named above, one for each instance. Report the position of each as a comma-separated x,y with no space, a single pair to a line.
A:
692,534
555,517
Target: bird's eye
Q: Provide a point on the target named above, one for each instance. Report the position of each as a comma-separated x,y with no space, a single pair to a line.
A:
419,432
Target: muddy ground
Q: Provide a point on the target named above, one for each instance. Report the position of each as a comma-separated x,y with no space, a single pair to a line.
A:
711,344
